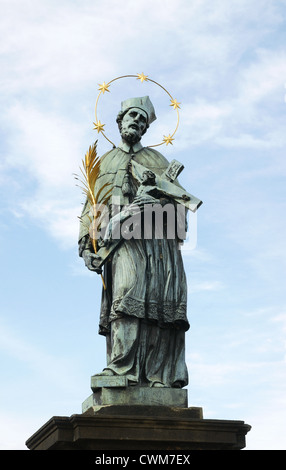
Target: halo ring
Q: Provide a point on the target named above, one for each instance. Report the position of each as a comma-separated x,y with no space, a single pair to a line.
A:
104,87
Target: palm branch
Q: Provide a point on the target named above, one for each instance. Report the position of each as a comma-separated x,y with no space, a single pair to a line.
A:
89,174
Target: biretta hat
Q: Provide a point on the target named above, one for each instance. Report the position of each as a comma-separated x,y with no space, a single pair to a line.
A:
143,103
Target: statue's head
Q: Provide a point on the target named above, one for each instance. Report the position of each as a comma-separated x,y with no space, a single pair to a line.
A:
148,178
134,118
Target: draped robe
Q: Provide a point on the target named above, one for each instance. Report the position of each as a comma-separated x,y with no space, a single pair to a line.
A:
144,307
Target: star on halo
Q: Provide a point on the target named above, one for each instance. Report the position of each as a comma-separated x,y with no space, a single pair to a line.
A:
104,87
142,77
175,103
168,139
98,126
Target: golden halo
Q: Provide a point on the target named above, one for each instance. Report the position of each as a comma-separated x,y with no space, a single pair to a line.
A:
143,78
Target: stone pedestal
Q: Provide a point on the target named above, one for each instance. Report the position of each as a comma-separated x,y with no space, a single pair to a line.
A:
138,418
168,397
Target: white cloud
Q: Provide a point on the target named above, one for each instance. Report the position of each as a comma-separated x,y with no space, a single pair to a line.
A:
45,144
249,141
252,115
58,219
47,150
53,43
38,361
205,286
62,44
263,77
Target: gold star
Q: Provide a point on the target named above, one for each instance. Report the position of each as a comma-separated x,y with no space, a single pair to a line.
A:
142,77
175,104
168,140
98,126
104,87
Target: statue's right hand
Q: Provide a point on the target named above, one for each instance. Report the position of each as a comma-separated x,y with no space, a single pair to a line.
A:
92,261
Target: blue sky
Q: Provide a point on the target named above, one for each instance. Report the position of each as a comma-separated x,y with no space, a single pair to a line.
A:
225,61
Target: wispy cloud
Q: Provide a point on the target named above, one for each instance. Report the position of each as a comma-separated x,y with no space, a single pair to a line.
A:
205,286
43,364
43,146
48,56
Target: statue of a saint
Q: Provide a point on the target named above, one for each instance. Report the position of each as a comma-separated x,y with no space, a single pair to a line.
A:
144,305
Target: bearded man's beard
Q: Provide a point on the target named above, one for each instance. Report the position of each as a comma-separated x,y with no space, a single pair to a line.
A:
130,135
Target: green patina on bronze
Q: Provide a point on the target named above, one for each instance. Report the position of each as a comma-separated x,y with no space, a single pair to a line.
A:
144,306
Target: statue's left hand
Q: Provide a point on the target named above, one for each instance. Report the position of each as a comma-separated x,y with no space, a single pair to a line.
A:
143,199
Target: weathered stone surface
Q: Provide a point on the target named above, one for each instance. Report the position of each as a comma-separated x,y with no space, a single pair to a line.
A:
99,381
141,428
137,396
146,410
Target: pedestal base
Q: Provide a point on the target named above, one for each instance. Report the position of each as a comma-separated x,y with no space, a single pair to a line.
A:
128,428
118,417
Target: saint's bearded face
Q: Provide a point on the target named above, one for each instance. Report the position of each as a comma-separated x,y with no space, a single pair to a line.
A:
133,125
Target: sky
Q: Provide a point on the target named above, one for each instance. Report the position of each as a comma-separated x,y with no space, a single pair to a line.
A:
225,62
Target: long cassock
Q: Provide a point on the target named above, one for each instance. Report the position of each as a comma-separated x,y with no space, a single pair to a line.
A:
144,307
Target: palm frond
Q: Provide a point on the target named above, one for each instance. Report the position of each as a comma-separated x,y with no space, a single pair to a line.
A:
89,174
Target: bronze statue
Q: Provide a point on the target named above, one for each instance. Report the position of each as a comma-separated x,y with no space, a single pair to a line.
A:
144,302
